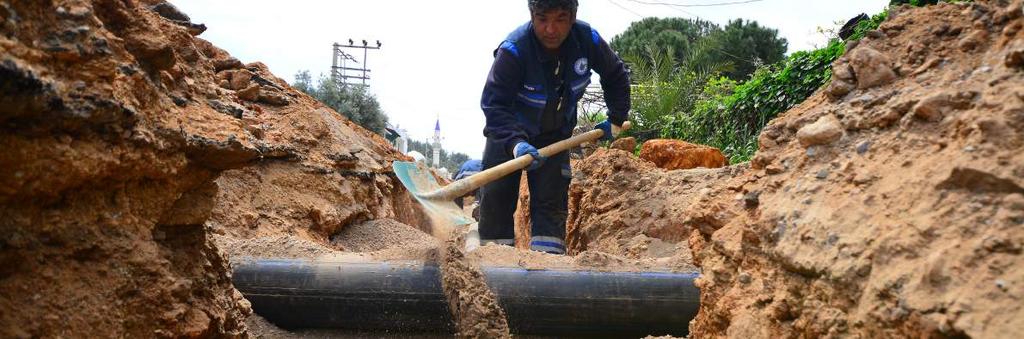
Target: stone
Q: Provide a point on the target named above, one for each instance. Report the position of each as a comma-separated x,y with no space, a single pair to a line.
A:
226,64
839,88
251,93
275,99
822,132
972,41
625,144
863,177
979,181
863,147
151,51
173,14
672,154
240,79
843,71
751,200
1002,285
744,278
932,108
926,66
169,11
875,34
229,108
871,67
179,101
1015,58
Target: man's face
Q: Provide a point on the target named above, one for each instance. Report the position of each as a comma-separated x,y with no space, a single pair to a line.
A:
552,27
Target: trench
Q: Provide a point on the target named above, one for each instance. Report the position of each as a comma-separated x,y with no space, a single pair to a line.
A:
406,300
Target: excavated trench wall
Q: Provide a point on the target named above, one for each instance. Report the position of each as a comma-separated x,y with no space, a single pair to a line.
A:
129,144
889,204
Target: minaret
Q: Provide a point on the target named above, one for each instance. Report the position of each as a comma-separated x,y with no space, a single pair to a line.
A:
437,143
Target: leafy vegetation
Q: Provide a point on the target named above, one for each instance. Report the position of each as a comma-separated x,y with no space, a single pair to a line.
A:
726,112
354,102
450,161
747,46
734,50
358,105
730,116
867,25
664,86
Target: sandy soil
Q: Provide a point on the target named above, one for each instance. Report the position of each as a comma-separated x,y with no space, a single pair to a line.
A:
889,204
145,159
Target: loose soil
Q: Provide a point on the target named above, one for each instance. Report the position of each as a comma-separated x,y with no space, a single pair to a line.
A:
472,304
889,204
144,160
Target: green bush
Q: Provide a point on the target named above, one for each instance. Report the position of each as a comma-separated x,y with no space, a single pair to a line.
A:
731,116
867,25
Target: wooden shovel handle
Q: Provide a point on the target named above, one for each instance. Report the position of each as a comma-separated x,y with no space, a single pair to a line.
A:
463,186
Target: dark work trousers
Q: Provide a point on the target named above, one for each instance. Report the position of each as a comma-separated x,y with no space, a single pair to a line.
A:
549,189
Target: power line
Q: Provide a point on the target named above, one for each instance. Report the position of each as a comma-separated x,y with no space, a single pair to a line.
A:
624,8
695,5
343,72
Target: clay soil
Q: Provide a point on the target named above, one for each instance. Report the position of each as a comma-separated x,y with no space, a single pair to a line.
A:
142,160
889,204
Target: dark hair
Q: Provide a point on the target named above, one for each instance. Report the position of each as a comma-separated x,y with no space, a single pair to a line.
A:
541,6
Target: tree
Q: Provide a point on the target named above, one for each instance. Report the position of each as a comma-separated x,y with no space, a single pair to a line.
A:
450,161
665,88
747,46
660,34
304,83
736,50
354,102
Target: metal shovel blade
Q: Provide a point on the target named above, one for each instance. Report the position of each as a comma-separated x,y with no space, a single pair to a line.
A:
419,180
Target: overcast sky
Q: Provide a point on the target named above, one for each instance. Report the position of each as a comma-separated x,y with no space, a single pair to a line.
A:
436,54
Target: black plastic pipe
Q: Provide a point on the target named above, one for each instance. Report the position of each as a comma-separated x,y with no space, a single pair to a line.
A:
407,297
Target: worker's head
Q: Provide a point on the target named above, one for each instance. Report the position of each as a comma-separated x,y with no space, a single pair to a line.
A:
552,20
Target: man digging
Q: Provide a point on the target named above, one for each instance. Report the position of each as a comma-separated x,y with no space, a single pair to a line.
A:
539,74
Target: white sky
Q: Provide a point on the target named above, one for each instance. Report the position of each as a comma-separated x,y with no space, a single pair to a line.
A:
436,54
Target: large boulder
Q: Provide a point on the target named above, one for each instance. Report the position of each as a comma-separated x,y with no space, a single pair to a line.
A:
672,154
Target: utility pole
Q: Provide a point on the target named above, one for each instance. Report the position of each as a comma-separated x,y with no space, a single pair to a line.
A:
343,72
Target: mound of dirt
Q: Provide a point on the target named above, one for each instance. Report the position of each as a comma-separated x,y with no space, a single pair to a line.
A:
115,131
378,235
890,204
622,205
122,125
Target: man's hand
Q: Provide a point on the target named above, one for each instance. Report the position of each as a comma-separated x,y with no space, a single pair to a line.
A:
610,130
523,148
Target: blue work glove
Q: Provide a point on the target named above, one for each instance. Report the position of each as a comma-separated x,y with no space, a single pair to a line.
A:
605,126
523,148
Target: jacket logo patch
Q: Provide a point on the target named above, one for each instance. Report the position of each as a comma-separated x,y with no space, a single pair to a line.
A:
581,66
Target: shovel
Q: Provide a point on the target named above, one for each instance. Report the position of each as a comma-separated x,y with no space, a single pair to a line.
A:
439,200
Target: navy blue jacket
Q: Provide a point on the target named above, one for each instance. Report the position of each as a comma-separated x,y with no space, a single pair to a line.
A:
519,88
